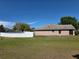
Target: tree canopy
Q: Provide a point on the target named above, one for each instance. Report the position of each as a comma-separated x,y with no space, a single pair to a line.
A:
21,27
69,20
2,29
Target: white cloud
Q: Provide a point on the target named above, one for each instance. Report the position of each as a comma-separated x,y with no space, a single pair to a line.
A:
31,23
7,24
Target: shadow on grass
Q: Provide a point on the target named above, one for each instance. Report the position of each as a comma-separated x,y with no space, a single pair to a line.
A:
76,56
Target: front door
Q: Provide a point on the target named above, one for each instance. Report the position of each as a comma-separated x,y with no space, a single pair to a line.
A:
70,32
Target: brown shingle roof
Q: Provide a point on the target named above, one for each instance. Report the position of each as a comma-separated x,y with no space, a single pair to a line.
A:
56,27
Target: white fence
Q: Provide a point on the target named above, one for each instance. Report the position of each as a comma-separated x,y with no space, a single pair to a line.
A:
23,34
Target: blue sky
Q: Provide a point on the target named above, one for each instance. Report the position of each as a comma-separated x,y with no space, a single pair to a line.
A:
37,12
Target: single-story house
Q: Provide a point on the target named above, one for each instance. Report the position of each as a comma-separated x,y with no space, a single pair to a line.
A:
55,30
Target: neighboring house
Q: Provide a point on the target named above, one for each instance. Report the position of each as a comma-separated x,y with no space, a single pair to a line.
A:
55,30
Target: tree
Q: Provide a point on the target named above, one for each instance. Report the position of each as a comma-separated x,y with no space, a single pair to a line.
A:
2,29
69,20
21,27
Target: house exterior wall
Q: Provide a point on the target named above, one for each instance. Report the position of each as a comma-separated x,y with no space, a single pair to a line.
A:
52,33
64,33
73,32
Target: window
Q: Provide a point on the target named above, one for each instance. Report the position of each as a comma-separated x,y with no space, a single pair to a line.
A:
59,31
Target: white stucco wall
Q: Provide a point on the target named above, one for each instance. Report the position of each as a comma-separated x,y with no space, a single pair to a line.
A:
52,33
24,34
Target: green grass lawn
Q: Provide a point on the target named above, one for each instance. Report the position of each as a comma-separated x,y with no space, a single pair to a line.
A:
39,48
